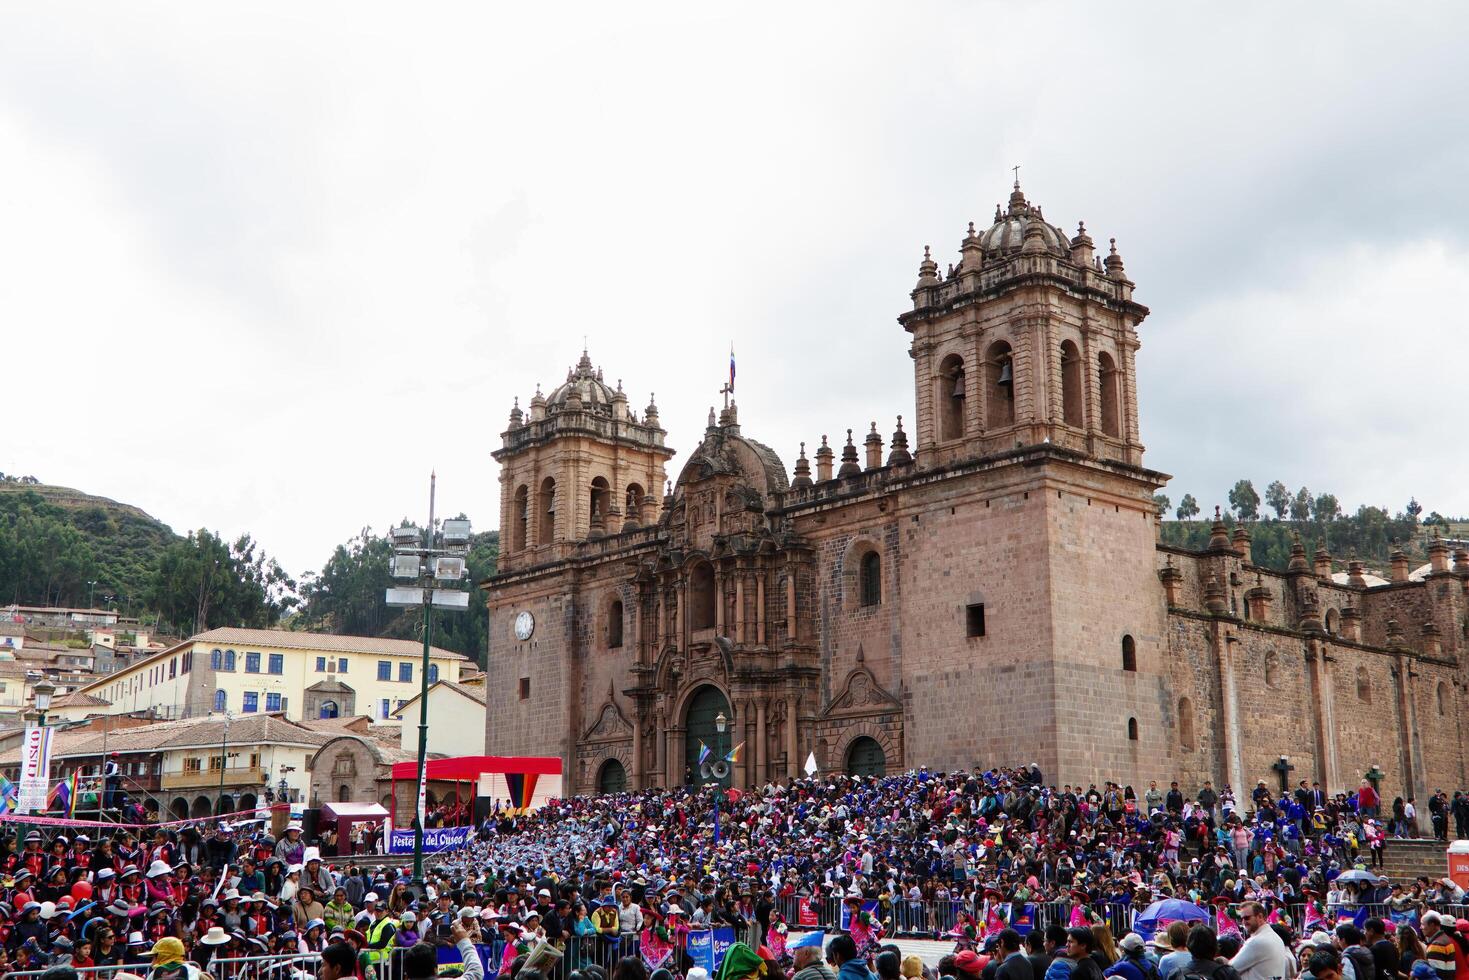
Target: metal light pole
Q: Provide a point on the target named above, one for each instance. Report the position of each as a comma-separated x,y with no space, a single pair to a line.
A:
720,723
91,589
435,557
43,689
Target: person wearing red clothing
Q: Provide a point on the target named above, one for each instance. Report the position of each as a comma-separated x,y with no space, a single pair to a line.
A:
1367,800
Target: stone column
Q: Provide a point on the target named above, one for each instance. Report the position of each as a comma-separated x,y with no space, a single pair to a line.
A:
1412,746
1334,781
793,631
1233,762
660,747
793,763
637,747
760,767
719,598
739,623
760,607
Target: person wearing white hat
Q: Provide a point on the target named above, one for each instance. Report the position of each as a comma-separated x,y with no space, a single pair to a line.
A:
290,848
159,886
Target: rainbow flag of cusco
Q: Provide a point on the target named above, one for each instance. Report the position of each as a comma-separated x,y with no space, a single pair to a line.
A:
8,793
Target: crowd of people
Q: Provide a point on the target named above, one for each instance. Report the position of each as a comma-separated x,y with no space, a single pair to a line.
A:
602,885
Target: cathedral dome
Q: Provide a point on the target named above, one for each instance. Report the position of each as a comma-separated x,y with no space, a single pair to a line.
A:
1007,234
726,451
583,390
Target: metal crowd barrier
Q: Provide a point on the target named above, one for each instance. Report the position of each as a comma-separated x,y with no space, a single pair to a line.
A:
286,966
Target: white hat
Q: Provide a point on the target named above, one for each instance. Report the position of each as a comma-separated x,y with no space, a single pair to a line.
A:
370,897
48,910
468,912
158,868
216,936
311,854
136,939
293,825
231,893
544,893
294,869
409,917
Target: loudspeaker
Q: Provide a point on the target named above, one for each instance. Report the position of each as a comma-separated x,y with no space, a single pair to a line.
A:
309,819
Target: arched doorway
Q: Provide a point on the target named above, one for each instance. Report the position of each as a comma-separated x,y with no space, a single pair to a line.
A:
329,709
202,807
247,802
866,758
699,728
612,778
179,808
225,805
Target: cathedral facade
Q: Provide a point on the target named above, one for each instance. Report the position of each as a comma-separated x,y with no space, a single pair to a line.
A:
987,588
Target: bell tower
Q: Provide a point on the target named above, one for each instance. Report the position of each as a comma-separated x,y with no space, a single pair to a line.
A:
1031,338
582,465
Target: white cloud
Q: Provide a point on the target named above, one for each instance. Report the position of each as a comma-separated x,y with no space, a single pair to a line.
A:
292,258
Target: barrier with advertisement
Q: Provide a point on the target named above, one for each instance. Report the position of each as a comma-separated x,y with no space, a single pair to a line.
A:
707,949
434,839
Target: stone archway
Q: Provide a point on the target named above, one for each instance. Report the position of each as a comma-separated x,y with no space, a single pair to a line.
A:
612,777
703,707
179,808
225,805
202,807
247,801
865,757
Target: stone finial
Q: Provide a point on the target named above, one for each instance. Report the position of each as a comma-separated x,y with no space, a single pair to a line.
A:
1399,564
1322,561
1432,640
573,399
1113,261
1219,534
873,444
1172,580
1215,599
1310,617
650,414
1241,542
1083,250
619,402
928,270
899,455
1356,572
850,466
1035,238
1461,561
1438,555
667,495
598,526
1396,638
972,252
516,415
1297,555
823,461
802,478
1351,623
1258,600
1017,199
537,405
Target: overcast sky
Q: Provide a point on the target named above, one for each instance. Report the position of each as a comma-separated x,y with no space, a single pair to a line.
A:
262,269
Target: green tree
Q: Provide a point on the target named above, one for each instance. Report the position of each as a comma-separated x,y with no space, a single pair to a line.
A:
1413,509
1188,507
1325,508
1162,504
1300,507
1279,499
200,582
1245,501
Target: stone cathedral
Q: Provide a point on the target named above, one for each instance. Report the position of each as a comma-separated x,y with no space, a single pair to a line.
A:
981,584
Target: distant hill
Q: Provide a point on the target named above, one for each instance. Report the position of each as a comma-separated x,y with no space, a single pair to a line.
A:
53,540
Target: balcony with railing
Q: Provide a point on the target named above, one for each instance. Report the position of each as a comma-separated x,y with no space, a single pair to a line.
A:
233,777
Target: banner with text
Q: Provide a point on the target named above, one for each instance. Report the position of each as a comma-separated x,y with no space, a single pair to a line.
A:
434,839
707,947
35,769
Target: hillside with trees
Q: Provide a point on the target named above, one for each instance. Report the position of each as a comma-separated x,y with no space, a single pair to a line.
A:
1275,518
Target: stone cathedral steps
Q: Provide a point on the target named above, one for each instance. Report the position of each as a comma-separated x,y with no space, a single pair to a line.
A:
1405,860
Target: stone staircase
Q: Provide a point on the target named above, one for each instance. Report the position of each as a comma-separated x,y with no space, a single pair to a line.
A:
1405,860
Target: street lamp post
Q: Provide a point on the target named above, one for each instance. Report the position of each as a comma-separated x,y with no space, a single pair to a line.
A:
43,689
91,590
435,558
720,723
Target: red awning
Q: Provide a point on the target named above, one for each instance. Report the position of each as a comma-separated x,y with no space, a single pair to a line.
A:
469,767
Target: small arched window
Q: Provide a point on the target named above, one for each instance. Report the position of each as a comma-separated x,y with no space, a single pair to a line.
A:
999,393
546,512
1364,686
221,701
1071,400
1132,729
870,574
702,600
1111,400
519,517
601,496
229,660
634,500
1333,621
344,793
614,624
216,659
1129,653
1186,724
